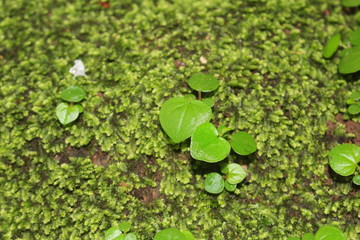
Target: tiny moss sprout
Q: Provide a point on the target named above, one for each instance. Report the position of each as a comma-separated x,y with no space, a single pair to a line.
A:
344,159
173,234
69,112
324,233
120,232
354,103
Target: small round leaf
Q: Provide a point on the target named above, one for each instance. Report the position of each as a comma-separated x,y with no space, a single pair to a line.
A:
356,179
73,94
234,173
229,187
180,116
130,236
113,234
349,62
354,109
124,226
214,183
169,234
329,233
331,46
243,143
344,158
67,114
308,236
188,235
203,82
206,145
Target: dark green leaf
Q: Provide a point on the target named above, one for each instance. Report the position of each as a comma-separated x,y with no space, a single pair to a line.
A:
350,3
73,94
180,116
344,158
349,63
356,179
169,234
214,183
188,235
66,113
130,236
124,226
308,236
331,46
243,143
234,173
229,187
354,109
355,37
113,234
203,82
329,233
206,145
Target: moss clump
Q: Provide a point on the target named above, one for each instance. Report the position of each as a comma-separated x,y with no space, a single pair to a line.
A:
274,84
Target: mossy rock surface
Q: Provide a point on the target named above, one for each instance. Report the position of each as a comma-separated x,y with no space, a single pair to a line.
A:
115,163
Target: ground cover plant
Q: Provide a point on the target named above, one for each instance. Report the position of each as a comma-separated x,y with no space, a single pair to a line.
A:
115,162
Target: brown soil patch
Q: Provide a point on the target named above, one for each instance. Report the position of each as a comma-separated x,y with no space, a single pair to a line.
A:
100,158
71,152
349,126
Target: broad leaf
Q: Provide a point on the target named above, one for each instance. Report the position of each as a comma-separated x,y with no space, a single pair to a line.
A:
354,109
344,158
73,94
180,116
350,3
113,234
243,143
169,234
329,233
67,113
308,236
234,173
355,37
214,183
206,145
203,82
349,63
188,235
331,46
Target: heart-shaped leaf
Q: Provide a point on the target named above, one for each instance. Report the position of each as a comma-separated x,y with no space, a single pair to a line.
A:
169,234
73,94
331,46
180,116
113,234
344,158
243,143
234,173
356,179
329,233
206,145
67,113
203,82
229,187
214,183
349,63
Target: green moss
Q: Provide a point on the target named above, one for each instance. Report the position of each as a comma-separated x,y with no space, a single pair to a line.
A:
274,84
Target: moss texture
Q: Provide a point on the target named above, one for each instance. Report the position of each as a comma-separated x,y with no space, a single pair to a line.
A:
115,163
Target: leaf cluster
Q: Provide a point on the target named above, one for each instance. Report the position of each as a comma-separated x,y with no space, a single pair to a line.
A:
354,102
120,232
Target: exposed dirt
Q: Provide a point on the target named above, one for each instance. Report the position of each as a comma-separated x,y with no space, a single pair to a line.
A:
350,127
71,152
100,158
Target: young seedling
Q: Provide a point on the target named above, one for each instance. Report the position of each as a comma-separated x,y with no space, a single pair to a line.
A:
173,234
331,46
354,102
120,232
207,145
180,116
215,183
68,113
203,83
243,143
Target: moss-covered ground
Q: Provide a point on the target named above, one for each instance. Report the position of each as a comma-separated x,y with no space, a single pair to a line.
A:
115,162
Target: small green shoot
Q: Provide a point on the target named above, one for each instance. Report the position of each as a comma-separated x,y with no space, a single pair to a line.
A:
329,233
120,232
180,116
203,82
214,183
356,179
355,37
207,145
234,173
354,101
229,187
344,158
349,62
73,94
350,3
331,46
173,234
243,143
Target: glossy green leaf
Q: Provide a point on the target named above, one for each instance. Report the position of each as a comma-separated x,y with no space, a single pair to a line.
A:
113,234
169,234
353,98
188,235
214,183
79,107
349,62
206,145
308,236
331,46
234,173
67,113
356,179
354,109
344,158
180,116
124,226
355,37
329,233
73,94
350,3
209,101
243,143
130,236
229,187
203,82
